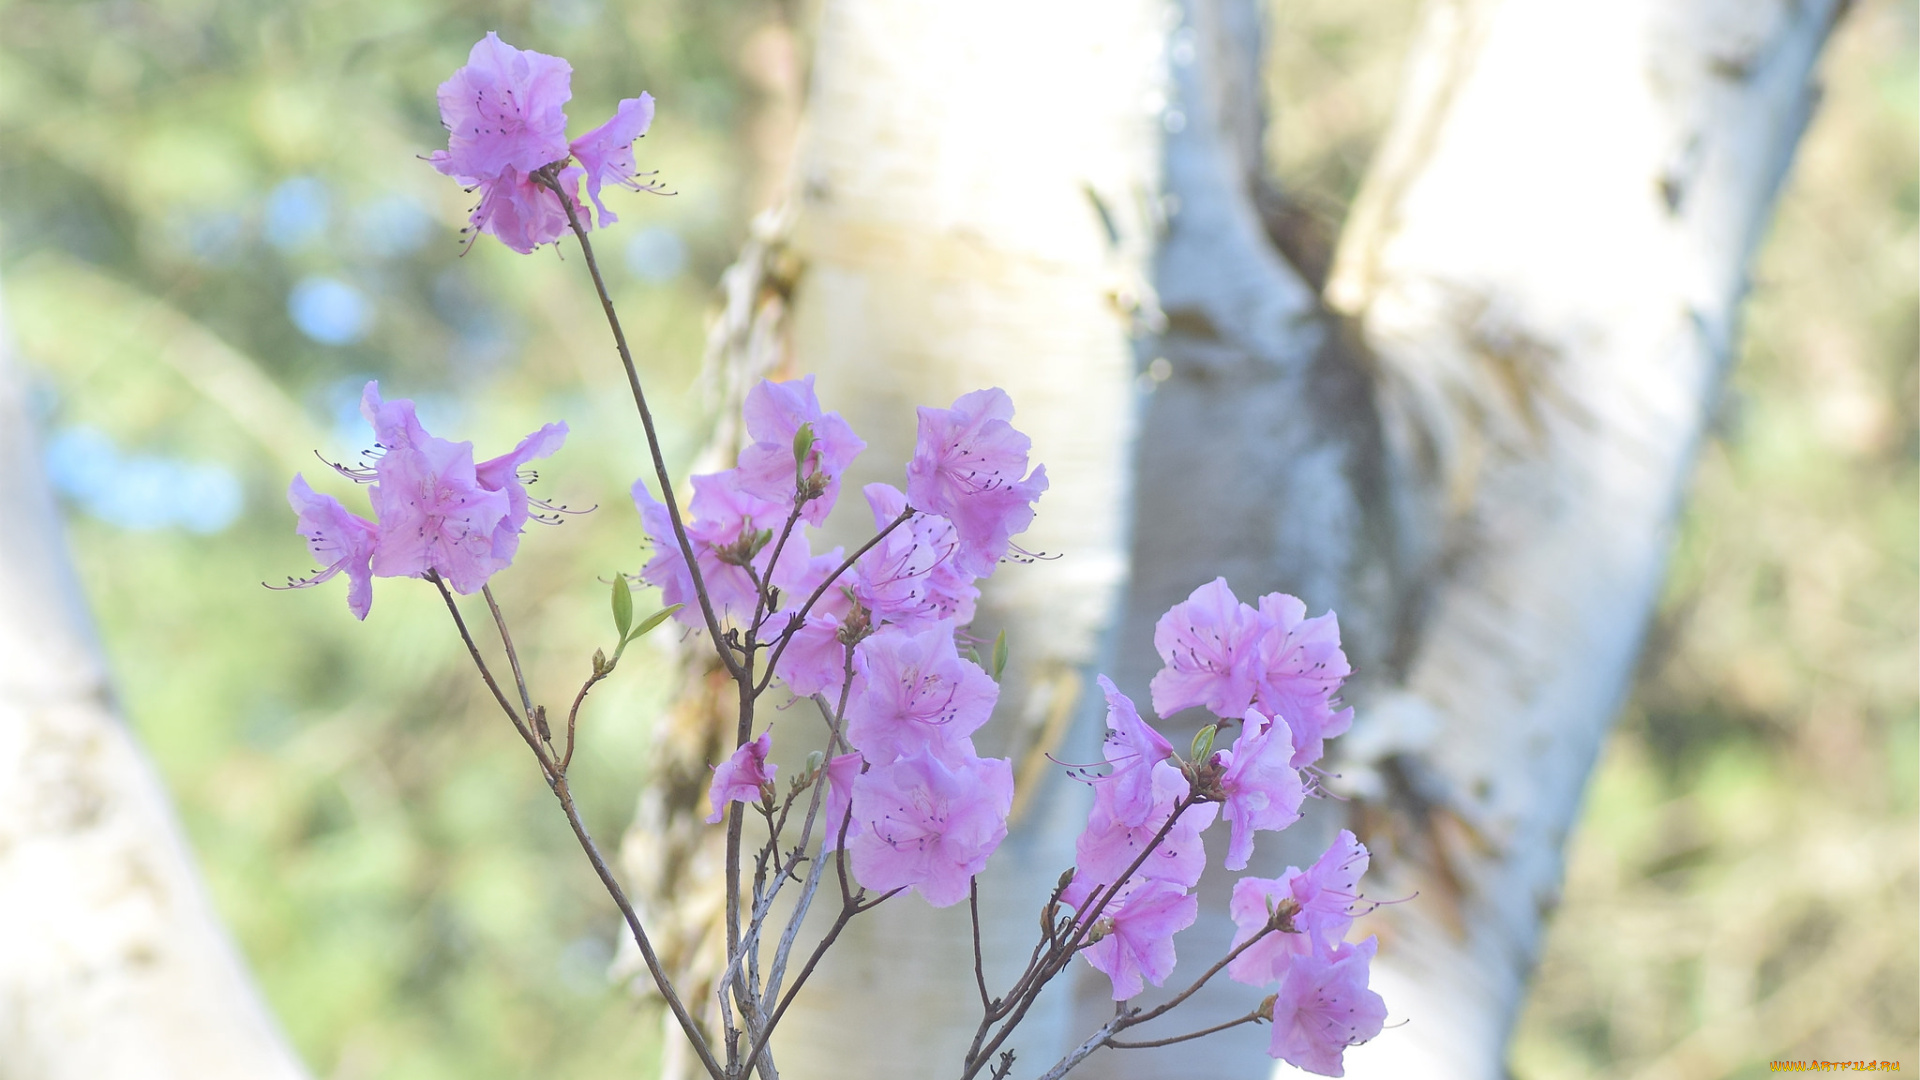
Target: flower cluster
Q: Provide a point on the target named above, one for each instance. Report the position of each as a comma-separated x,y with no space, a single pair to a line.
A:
505,119
435,510
881,641
915,804
1277,674
918,807
1323,1005
1224,656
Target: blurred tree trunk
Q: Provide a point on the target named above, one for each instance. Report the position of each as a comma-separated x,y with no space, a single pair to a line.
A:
113,963
1473,447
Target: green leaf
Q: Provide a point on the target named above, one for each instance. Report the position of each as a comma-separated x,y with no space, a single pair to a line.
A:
999,655
622,606
647,624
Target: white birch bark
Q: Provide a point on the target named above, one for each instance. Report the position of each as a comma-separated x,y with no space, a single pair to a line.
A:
1548,262
974,209
113,963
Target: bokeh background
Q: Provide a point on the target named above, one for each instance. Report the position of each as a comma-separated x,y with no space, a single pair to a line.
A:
214,229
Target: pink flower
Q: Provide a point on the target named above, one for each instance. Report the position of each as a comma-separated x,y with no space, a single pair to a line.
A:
437,510
394,423
1209,643
929,825
815,660
774,413
503,474
505,109
1108,845
744,777
841,773
969,466
606,152
522,213
1140,944
915,693
1300,670
725,526
1329,889
1324,896
1324,1006
340,542
506,120
1262,790
434,515
911,578
1134,750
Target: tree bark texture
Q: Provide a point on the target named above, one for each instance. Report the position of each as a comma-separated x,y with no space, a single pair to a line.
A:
1473,447
113,963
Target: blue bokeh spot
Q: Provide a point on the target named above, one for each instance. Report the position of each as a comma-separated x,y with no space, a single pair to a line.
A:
296,213
329,310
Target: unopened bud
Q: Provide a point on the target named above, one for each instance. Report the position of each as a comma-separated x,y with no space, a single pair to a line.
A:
802,445
1202,747
599,662
814,761
1266,1007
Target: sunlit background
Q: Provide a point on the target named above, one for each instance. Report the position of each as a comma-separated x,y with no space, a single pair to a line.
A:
214,229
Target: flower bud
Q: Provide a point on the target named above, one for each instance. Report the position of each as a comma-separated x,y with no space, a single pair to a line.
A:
802,446
1202,747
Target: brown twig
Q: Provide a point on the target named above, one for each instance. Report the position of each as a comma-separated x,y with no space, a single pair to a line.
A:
573,714
558,782
549,180
1027,988
846,565
513,656
979,965
486,675
1148,1044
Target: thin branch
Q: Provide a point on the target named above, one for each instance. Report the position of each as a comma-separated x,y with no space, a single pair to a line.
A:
558,782
762,604
573,714
1233,954
646,421
486,675
736,821
846,565
660,980
979,965
1028,987
778,971
513,657
848,910
1148,1044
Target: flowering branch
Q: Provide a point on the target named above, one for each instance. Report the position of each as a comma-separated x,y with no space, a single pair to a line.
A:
908,803
547,177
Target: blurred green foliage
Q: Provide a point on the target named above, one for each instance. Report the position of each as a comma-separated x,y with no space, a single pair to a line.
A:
172,173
